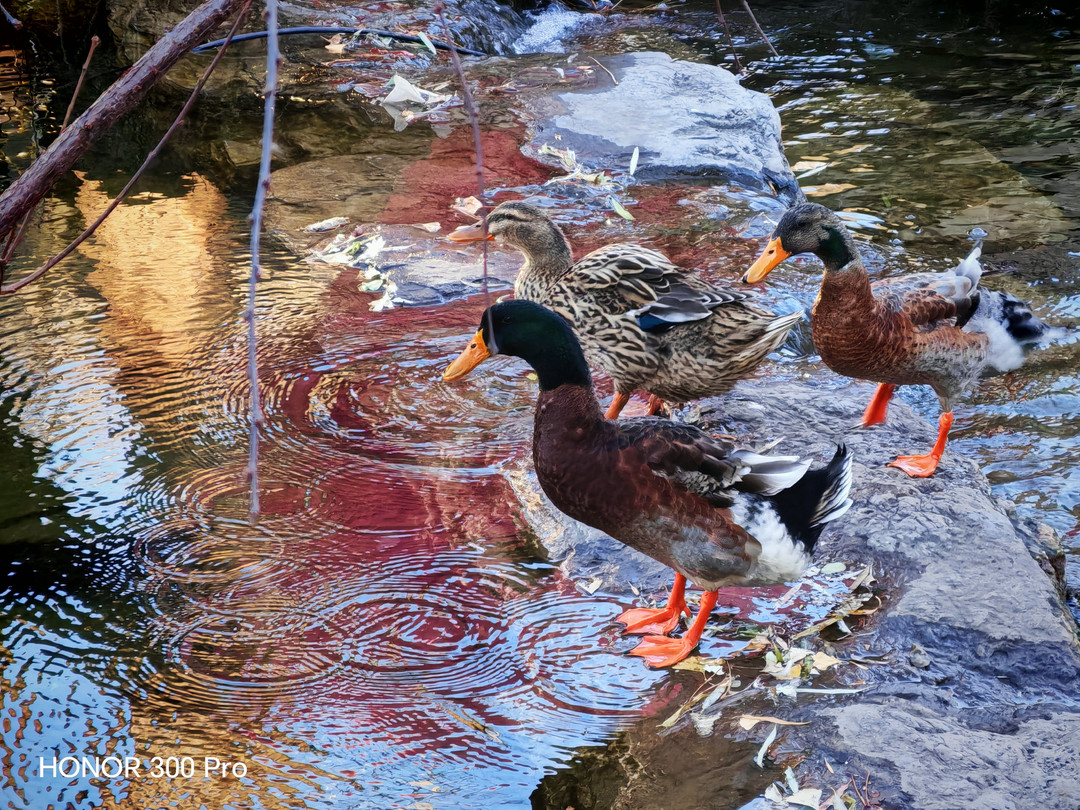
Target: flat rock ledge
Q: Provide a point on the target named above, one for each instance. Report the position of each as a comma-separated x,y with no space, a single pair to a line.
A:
979,703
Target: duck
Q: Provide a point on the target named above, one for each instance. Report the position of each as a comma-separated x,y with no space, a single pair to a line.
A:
938,329
643,322
716,513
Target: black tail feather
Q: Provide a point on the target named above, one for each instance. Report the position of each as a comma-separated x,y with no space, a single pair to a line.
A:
818,497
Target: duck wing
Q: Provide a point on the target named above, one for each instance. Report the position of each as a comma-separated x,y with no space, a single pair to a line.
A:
707,465
926,299
651,288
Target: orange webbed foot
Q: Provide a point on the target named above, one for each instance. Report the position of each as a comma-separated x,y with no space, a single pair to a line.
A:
916,466
661,651
658,620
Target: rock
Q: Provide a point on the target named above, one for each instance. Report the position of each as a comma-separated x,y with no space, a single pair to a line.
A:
691,121
976,707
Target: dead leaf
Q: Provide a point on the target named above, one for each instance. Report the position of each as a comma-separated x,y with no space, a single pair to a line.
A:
807,797
748,721
760,757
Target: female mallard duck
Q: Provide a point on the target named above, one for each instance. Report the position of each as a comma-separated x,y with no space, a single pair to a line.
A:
642,321
936,329
716,514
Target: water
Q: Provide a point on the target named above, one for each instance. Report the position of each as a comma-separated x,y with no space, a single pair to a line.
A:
387,635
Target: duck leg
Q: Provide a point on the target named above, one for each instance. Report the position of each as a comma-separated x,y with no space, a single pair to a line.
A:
618,402
879,405
658,620
655,404
924,466
661,651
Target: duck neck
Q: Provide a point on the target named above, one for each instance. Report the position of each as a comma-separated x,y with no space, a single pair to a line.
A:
838,252
561,364
547,260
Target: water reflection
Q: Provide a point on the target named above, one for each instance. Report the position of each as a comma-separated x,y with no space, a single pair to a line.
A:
382,637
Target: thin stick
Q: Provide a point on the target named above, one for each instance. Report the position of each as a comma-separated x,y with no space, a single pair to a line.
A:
13,21
761,33
273,62
94,42
15,286
727,33
470,108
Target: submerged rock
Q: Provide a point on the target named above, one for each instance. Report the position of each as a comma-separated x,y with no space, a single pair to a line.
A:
976,704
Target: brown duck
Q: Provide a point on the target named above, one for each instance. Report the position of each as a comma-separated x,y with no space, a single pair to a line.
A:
936,329
642,321
717,514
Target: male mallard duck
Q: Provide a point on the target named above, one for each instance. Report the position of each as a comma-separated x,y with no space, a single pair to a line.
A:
936,329
642,321
716,514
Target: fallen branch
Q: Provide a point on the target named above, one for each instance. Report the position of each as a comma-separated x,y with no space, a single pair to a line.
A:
15,286
37,180
15,237
273,62
323,30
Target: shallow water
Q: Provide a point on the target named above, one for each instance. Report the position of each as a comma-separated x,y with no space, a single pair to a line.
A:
386,635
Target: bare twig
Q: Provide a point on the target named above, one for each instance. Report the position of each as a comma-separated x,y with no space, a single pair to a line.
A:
94,42
761,33
15,286
727,33
273,62
13,21
470,108
36,181
324,30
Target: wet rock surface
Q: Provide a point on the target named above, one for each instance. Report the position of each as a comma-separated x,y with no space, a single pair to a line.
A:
690,120
977,703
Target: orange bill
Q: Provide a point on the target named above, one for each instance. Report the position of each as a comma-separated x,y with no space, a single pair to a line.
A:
470,233
769,258
475,354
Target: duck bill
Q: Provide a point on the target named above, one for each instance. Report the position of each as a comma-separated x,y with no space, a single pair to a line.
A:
475,354
769,258
470,233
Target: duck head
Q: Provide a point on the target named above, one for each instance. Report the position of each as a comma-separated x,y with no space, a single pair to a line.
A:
806,228
524,227
537,335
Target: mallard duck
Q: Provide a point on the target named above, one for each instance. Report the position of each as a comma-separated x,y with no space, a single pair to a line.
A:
643,322
717,514
936,329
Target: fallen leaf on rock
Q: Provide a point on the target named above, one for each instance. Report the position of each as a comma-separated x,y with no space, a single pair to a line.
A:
617,207
748,721
634,160
427,42
760,757
430,227
467,206
807,797
833,568
822,662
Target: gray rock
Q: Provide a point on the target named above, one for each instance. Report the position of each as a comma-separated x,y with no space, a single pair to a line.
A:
978,705
690,120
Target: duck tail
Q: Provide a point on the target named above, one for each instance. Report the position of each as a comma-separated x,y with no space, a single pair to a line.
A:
1011,327
818,497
